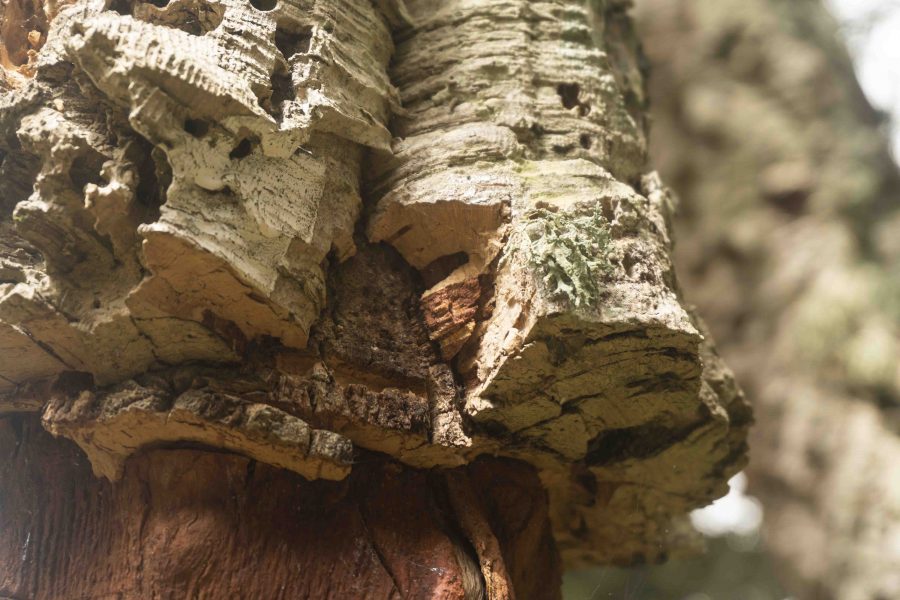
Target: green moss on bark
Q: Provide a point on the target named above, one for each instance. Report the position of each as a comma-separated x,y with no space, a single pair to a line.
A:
569,250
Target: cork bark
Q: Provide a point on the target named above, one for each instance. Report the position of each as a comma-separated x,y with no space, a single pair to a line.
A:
788,244
367,244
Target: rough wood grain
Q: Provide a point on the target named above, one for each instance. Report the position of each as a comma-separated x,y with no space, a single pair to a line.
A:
189,522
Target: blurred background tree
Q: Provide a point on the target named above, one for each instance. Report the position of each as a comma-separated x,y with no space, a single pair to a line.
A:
789,242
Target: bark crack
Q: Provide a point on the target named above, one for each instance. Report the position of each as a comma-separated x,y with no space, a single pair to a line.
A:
377,550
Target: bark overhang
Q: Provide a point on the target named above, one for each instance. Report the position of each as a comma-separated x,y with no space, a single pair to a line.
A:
179,196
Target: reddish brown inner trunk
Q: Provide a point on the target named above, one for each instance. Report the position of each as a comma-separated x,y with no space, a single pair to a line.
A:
190,522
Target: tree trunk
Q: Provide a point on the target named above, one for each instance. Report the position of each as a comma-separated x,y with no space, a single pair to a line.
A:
340,299
789,225
190,522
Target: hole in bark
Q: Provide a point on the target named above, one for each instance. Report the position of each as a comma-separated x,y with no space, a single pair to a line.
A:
191,24
242,150
585,140
563,149
195,17
629,262
85,169
568,93
608,211
282,93
154,177
264,5
196,127
440,268
292,41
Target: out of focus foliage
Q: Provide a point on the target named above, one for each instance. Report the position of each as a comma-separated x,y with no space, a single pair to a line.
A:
735,568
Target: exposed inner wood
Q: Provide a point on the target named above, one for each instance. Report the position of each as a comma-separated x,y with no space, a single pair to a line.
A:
184,522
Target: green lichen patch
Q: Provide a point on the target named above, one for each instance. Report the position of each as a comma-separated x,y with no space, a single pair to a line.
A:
569,250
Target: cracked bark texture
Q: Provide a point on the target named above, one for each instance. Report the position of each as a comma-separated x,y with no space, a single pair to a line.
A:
247,244
788,244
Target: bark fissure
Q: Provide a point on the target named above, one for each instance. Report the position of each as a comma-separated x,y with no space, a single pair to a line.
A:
381,558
